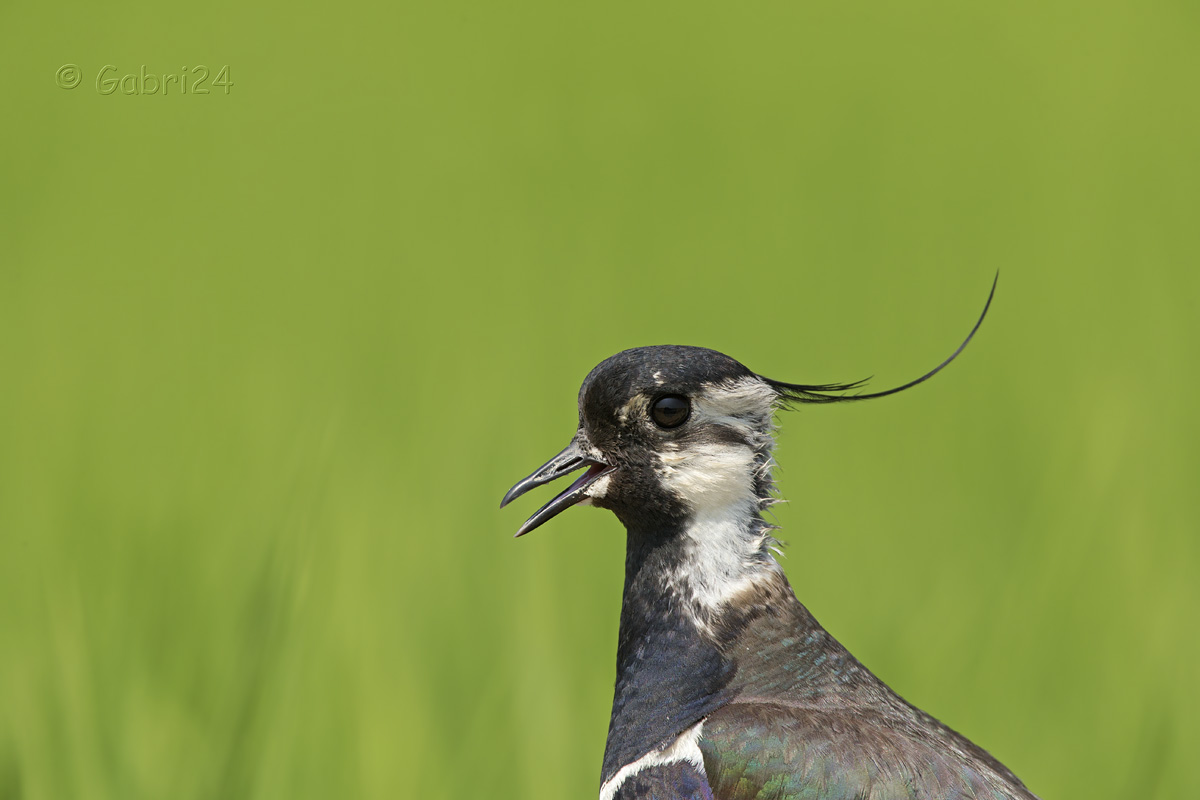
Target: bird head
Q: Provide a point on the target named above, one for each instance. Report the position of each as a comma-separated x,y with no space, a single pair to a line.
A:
671,432
662,430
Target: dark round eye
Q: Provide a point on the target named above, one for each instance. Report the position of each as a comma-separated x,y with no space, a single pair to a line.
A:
670,411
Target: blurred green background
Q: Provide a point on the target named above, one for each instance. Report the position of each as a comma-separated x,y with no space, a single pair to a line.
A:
271,357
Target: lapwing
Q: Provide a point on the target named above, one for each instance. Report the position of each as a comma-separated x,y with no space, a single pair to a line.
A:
727,688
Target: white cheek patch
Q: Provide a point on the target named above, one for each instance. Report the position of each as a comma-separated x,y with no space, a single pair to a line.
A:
718,478
710,478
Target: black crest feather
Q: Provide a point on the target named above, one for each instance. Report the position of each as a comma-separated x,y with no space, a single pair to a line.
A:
823,392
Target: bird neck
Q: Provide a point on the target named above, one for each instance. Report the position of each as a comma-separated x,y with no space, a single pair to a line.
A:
671,659
668,666
685,584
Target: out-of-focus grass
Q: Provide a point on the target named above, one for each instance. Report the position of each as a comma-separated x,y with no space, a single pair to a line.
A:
270,359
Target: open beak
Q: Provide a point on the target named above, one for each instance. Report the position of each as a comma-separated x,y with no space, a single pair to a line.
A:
566,462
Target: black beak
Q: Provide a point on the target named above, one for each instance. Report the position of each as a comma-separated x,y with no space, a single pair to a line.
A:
566,462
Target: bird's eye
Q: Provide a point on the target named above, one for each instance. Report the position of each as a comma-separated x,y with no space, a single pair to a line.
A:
670,411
